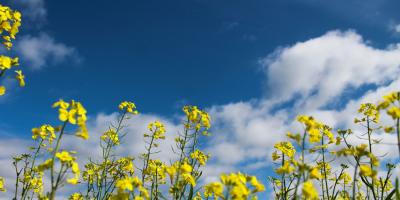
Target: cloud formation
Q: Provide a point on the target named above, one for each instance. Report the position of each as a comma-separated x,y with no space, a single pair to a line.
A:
43,50
320,69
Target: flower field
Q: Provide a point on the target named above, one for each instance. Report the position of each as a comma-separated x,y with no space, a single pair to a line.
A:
321,162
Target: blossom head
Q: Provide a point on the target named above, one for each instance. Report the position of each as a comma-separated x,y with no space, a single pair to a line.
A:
129,107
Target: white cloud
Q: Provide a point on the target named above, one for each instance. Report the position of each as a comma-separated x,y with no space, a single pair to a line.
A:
320,69
43,50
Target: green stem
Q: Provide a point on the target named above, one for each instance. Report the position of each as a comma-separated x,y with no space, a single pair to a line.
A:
54,187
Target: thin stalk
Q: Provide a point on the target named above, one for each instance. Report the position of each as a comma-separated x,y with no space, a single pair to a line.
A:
54,187
324,164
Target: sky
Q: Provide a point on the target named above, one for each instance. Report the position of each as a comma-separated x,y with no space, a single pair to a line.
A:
254,65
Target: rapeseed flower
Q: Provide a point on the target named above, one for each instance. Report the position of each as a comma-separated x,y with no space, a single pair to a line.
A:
286,148
20,77
215,189
64,156
200,157
76,196
129,107
2,90
309,191
2,189
366,170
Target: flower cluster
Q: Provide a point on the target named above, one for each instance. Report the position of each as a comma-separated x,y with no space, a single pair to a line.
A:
129,107
44,132
200,157
157,130
68,161
196,118
112,136
58,164
73,113
391,103
315,173
10,21
239,186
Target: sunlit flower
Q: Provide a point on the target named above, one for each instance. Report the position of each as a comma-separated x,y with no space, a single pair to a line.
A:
309,191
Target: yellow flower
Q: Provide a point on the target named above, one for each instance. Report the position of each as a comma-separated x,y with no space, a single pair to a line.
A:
83,132
394,112
199,156
73,181
158,130
9,23
20,77
62,104
120,196
197,117
126,164
37,184
327,132
186,168
2,189
345,177
314,129
125,184
75,167
188,178
215,188
370,111
171,171
112,136
324,165
365,170
128,183
237,182
309,191
129,107
315,173
64,156
286,168
144,194
45,165
74,113
45,131
233,179
258,187
156,169
388,99
2,90
286,148
388,129
240,192
76,196
315,135
275,156
5,62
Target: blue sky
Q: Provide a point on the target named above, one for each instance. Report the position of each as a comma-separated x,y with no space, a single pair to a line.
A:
225,56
